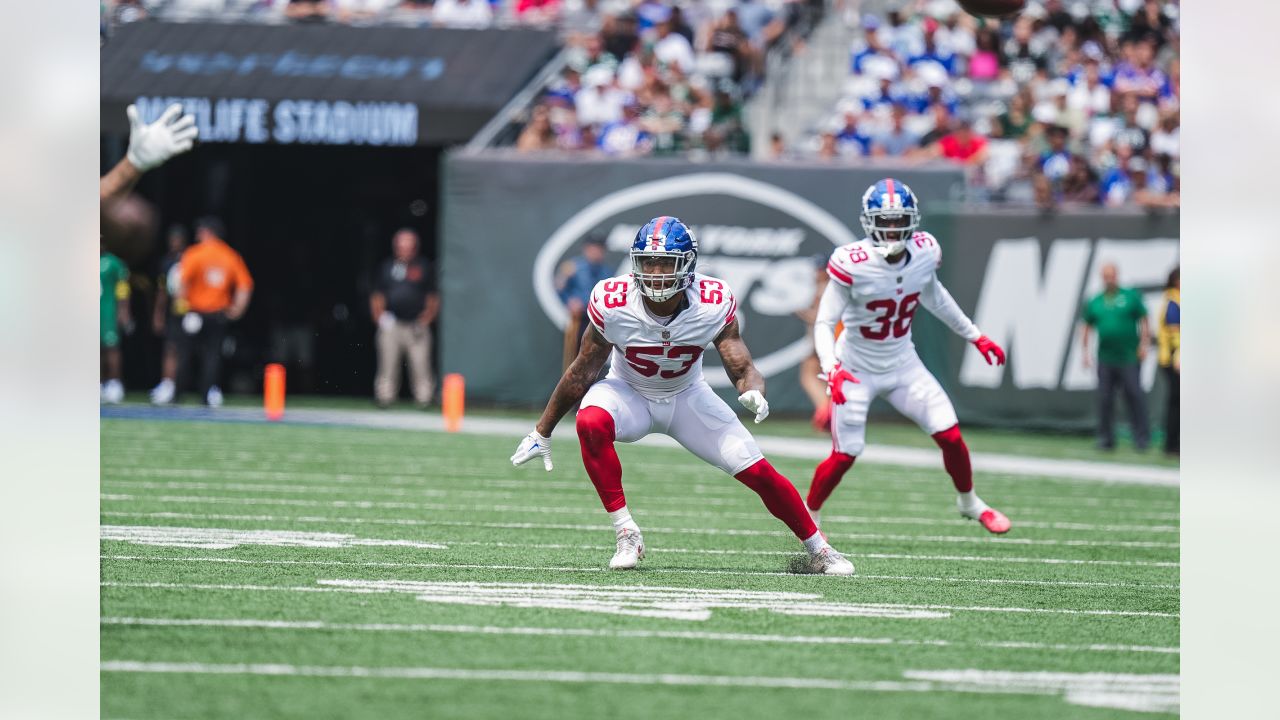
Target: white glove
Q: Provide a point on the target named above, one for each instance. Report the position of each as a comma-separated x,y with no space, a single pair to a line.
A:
152,145
387,320
825,373
753,400
531,447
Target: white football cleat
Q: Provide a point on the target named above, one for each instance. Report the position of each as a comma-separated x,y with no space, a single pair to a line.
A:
112,392
828,561
630,550
214,397
162,394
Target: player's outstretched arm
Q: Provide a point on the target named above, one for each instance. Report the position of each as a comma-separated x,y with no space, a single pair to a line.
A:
742,372
118,181
830,309
579,376
149,146
944,307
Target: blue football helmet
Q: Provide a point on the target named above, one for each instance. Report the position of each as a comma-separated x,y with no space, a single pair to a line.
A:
664,237
890,214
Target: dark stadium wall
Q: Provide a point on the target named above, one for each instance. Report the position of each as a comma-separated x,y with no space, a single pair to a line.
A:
508,221
1023,276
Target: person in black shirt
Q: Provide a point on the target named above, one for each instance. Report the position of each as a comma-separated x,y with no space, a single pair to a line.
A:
167,315
403,305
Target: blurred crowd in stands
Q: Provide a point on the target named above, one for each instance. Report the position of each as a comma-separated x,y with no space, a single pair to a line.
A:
1072,101
662,79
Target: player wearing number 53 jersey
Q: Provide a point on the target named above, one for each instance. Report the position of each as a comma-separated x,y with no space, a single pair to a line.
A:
877,284
656,322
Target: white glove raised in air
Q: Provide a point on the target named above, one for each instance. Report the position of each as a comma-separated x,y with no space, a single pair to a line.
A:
531,447
150,146
754,401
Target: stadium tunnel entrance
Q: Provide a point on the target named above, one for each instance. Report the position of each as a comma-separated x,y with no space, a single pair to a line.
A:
316,144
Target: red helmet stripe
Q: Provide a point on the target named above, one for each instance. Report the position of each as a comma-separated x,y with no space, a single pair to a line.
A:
888,184
657,229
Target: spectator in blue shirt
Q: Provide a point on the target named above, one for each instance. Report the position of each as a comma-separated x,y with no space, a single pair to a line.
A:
578,276
872,46
1122,181
898,141
1055,162
932,53
851,140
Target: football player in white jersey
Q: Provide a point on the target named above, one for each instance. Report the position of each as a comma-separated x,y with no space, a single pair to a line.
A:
877,284
656,321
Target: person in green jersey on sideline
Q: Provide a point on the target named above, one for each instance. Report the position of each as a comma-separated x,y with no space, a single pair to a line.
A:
1119,316
113,306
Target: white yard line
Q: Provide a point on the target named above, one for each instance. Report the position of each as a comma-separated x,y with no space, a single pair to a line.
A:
539,676
644,494
976,538
803,448
172,536
672,571
649,601
877,556
555,510
1044,504
1142,693
684,478
223,539
623,634
365,587
1149,693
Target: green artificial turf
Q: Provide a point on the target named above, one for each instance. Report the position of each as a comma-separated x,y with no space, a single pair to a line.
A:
1085,583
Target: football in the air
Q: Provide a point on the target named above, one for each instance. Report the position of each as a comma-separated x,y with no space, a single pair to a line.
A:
993,8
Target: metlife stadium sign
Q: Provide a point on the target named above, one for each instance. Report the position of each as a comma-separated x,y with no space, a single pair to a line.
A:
286,122
319,85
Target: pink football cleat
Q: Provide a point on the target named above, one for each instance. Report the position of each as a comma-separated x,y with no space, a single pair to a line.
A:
994,521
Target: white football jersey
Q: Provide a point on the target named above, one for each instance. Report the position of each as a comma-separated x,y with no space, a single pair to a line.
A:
882,300
659,360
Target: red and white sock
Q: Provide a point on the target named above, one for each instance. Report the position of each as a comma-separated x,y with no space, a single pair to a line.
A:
814,543
622,520
970,504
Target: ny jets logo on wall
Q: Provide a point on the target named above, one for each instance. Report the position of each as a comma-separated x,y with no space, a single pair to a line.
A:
755,236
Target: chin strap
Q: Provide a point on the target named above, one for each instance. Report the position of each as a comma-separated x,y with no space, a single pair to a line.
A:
887,250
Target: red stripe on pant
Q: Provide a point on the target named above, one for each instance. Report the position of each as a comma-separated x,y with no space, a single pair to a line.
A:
955,457
596,434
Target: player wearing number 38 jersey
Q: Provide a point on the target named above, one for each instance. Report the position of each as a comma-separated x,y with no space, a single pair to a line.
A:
877,284
656,322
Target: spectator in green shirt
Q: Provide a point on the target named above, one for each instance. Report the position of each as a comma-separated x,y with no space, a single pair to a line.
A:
1120,318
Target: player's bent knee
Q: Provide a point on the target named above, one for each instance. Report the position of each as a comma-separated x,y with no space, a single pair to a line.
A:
595,426
950,436
840,459
850,449
760,472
